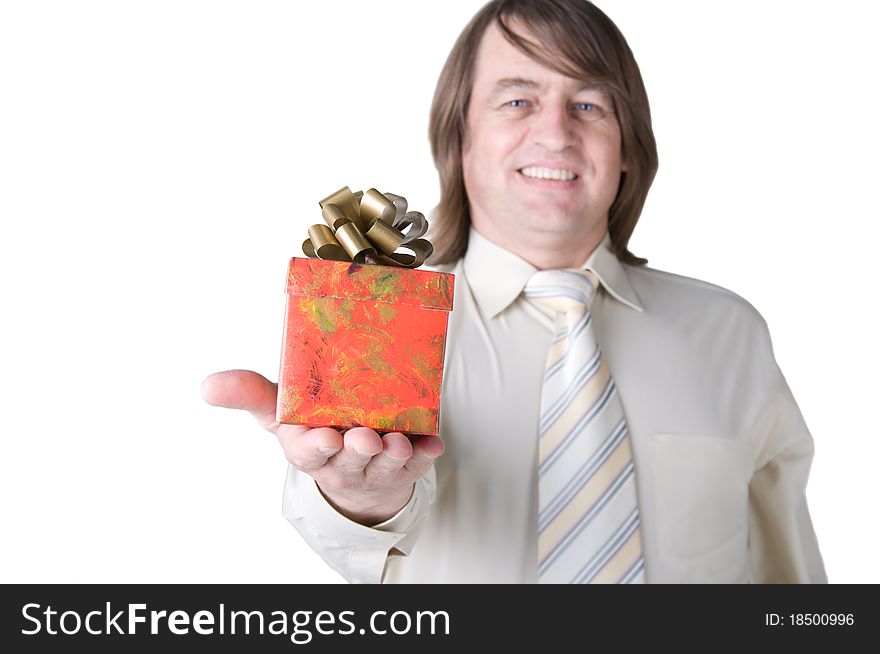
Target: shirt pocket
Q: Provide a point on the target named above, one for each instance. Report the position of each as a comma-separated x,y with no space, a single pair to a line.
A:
701,503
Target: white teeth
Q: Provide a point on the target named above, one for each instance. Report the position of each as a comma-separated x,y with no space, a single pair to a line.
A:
548,173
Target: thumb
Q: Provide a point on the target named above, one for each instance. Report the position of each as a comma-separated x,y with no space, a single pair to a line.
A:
243,389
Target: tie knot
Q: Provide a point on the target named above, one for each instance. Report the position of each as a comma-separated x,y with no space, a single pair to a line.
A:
562,290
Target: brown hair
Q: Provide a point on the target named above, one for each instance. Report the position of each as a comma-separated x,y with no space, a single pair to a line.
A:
574,38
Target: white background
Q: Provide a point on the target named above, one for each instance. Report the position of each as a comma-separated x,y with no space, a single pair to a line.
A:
161,161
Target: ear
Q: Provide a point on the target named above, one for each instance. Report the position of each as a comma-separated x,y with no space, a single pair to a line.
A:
624,167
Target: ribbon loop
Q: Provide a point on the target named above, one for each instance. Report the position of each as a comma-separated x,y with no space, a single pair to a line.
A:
334,216
322,244
369,228
417,223
345,200
399,203
375,206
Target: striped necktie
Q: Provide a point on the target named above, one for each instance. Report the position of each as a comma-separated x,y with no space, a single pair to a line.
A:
588,515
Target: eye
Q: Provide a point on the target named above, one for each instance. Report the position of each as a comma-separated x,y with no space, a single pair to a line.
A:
516,103
590,111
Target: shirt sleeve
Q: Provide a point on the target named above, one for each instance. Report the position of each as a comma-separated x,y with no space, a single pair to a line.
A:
782,542
359,553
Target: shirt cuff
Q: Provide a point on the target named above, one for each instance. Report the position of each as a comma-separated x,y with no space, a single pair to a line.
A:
358,552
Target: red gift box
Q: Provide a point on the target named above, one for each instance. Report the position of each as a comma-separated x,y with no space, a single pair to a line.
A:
363,346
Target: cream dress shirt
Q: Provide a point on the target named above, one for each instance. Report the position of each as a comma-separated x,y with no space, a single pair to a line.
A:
721,451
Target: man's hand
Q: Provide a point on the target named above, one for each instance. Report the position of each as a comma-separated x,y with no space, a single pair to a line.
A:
366,477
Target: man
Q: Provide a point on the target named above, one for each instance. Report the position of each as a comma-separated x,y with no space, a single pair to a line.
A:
541,133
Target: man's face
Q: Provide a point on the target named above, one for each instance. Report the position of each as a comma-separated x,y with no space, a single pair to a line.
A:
526,123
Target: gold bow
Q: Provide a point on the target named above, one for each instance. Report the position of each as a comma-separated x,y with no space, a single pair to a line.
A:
368,228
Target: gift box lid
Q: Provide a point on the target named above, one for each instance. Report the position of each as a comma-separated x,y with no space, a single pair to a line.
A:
354,281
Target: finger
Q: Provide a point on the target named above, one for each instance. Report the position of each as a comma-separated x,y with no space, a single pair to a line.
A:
359,446
425,450
396,451
309,449
243,389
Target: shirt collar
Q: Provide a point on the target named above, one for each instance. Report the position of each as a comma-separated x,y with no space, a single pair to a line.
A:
497,277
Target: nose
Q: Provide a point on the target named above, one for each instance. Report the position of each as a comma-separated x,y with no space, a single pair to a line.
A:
552,127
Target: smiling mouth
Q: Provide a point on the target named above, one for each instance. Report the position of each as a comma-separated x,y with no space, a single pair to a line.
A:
552,174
